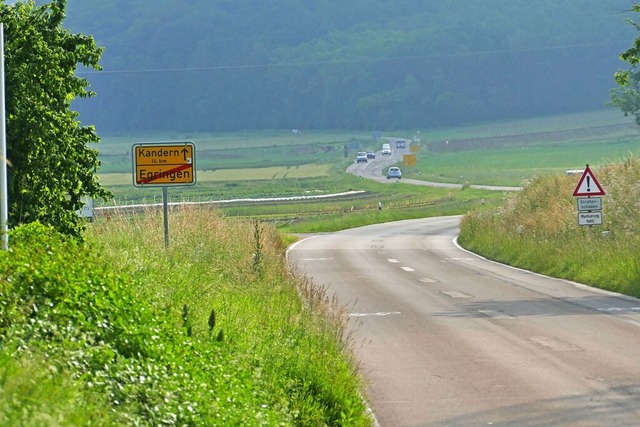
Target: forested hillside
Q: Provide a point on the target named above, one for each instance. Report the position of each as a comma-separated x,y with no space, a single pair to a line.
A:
218,65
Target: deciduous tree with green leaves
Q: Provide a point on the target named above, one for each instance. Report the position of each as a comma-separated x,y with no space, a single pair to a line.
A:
51,165
626,96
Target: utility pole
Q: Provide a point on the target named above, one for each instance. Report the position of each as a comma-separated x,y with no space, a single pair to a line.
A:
4,195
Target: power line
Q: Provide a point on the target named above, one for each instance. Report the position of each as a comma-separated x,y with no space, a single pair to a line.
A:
355,61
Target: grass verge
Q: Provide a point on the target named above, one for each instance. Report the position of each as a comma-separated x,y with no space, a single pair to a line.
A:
213,330
537,229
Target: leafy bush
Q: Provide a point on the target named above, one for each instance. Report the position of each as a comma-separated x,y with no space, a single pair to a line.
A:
52,165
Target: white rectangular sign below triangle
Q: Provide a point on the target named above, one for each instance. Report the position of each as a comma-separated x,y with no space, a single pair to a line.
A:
589,218
588,185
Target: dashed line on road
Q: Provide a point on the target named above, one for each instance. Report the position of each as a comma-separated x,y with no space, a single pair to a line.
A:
409,269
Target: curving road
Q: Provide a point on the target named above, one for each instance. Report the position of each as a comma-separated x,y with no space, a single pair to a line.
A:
446,338
373,170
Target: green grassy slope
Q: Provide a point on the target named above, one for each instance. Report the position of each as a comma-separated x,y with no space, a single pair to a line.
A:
213,331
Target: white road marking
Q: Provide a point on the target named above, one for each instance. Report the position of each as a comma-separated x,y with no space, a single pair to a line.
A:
381,313
616,309
428,280
407,269
393,260
457,294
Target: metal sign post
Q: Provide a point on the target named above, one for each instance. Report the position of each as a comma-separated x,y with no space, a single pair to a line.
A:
4,193
165,210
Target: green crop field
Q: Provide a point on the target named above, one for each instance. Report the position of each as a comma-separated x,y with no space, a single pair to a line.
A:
515,152
240,174
243,151
513,166
277,164
536,125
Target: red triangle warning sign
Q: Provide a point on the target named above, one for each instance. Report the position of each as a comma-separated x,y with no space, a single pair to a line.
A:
588,185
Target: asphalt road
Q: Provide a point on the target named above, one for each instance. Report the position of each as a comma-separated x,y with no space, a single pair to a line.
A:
446,338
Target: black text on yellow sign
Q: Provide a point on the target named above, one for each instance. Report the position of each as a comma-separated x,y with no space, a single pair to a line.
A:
164,164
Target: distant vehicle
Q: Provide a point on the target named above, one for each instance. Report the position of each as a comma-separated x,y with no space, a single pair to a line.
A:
386,149
400,143
361,157
371,155
394,172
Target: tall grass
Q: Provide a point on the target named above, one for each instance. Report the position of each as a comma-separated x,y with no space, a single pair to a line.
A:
34,393
280,328
537,229
213,330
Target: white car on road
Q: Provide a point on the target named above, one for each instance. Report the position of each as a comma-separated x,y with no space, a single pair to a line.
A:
394,172
361,157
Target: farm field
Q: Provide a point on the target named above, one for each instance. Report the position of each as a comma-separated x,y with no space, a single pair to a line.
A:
281,164
241,174
242,150
577,122
513,166
513,153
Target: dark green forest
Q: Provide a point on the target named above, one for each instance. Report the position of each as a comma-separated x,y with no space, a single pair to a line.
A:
225,65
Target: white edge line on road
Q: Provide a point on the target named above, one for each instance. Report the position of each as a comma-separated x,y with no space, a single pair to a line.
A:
570,282
366,402
293,245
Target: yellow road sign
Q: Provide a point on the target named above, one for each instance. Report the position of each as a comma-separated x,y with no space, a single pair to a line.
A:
164,164
409,159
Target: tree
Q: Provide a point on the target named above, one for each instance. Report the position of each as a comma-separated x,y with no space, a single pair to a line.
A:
52,166
626,96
